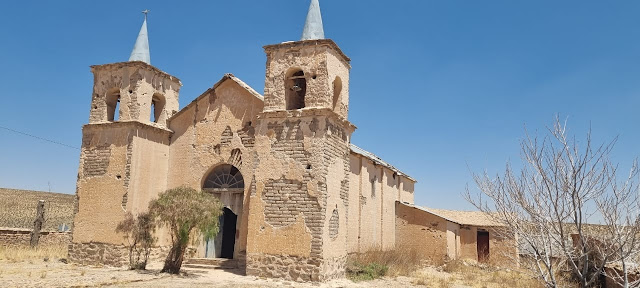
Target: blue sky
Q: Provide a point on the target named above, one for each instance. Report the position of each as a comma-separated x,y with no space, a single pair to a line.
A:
438,88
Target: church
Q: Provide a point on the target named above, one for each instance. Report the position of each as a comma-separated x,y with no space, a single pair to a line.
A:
298,196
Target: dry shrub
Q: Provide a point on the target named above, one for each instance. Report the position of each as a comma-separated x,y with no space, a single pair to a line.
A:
24,253
398,262
432,282
432,279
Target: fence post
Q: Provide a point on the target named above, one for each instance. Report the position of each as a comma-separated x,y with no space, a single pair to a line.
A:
37,224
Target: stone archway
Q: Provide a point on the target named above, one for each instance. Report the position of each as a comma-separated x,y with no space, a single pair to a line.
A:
226,183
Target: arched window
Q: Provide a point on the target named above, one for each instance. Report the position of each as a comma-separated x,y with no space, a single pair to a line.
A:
337,89
157,105
113,105
296,89
224,177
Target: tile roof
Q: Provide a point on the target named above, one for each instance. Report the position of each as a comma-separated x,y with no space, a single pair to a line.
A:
469,218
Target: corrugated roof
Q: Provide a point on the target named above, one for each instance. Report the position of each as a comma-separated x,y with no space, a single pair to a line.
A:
378,160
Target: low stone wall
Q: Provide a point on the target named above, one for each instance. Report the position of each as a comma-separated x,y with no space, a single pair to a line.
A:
12,237
294,268
113,255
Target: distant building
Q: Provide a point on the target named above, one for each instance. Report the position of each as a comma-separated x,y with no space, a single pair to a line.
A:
442,235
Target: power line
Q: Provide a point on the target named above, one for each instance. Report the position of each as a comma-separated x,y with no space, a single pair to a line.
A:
39,138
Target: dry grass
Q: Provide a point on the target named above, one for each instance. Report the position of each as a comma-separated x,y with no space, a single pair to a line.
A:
25,253
433,280
399,262
472,274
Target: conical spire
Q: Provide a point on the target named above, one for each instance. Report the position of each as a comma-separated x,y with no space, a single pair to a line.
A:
313,26
141,48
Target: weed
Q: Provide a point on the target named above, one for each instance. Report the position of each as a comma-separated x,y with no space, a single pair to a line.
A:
365,272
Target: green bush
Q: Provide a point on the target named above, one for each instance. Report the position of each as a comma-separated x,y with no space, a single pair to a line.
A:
365,272
187,213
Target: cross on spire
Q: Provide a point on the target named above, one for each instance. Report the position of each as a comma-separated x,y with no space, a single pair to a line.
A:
141,48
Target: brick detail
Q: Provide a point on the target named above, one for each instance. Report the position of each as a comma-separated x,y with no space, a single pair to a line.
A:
96,161
226,137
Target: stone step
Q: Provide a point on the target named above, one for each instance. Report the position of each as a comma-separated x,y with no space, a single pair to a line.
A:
210,263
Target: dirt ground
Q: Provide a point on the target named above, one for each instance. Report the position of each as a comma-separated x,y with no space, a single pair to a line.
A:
53,273
40,273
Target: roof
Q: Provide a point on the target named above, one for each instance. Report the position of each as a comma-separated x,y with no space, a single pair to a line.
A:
377,160
313,28
141,48
226,77
468,218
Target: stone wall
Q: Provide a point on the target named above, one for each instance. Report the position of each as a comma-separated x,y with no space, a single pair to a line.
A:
113,255
22,237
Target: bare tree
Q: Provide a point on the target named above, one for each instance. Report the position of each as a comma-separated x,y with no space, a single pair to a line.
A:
563,185
620,210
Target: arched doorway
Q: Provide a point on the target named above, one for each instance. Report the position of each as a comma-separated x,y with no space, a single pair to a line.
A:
225,182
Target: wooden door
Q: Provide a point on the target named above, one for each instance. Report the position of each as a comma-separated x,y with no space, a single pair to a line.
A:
483,246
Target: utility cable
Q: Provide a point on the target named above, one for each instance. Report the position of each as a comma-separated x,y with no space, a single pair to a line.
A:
39,138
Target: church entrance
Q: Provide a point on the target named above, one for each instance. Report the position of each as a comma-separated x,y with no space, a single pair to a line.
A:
226,183
228,231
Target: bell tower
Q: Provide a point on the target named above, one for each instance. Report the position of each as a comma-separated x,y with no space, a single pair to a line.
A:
134,90
125,147
299,194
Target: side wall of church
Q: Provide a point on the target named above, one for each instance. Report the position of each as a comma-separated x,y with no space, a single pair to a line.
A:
373,191
215,129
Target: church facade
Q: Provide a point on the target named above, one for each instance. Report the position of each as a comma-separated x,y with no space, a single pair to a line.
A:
298,196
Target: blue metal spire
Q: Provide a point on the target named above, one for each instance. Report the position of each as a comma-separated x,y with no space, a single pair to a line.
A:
313,28
141,48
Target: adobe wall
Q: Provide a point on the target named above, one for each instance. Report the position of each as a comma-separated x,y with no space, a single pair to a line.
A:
370,206
406,190
216,128
122,167
453,240
502,250
299,202
422,232
136,82
322,62
374,219
355,199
